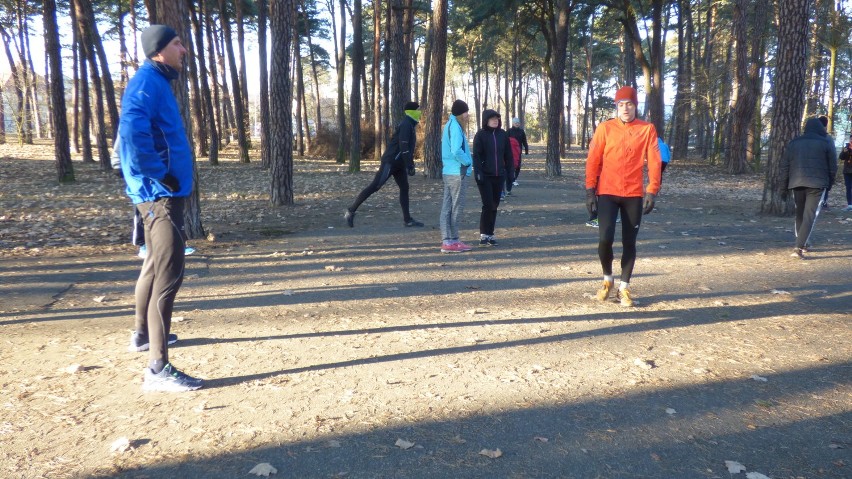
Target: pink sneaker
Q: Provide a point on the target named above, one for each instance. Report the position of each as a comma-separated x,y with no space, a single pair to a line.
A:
463,247
450,248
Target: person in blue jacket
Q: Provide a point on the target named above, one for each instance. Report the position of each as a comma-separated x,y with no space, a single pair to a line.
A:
456,159
665,154
156,161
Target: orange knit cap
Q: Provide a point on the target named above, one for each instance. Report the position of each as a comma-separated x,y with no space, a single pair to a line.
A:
626,93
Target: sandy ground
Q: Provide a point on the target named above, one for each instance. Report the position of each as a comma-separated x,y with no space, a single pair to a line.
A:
365,353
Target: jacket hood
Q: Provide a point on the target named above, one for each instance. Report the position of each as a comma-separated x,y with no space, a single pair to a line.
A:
487,115
814,127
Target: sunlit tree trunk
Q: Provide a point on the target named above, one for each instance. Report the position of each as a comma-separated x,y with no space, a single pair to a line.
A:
61,143
263,11
175,14
240,122
355,95
434,102
379,100
789,97
282,17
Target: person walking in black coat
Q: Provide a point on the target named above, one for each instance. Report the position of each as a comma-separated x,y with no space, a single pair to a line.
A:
808,167
492,161
520,136
397,161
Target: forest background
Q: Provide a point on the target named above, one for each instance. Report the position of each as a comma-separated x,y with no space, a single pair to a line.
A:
728,82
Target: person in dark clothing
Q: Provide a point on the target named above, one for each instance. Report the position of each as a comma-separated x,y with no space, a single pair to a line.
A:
808,167
492,161
520,136
397,161
846,159
156,162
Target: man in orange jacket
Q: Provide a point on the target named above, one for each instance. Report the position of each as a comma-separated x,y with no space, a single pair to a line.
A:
614,183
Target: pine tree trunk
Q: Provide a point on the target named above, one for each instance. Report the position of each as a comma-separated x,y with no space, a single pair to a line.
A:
175,15
204,13
679,138
556,75
399,63
239,110
246,125
341,71
61,143
378,100
434,101
355,95
199,125
211,149
315,77
791,68
282,18
97,55
263,13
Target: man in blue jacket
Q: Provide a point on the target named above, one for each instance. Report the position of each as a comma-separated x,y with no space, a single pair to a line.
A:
156,160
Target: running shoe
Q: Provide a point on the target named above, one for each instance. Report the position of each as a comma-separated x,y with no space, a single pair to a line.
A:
624,298
413,222
798,253
593,223
603,293
143,252
450,248
463,247
349,216
188,251
170,380
139,342
514,183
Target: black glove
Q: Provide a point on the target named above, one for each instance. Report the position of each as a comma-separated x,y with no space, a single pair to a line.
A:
591,201
171,183
649,203
411,170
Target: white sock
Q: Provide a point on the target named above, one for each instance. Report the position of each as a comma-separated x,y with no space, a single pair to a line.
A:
623,286
608,278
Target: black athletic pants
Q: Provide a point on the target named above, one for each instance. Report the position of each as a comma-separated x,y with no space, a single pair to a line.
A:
387,169
162,271
490,188
631,217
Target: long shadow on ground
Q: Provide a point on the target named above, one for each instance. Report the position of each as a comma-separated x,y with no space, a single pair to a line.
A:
631,436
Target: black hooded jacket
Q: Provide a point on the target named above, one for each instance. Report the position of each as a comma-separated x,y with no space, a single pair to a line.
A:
492,155
809,160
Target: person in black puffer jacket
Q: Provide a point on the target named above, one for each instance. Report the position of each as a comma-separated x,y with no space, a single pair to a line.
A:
808,167
492,161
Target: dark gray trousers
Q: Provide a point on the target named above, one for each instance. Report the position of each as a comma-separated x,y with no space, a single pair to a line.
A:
808,203
162,271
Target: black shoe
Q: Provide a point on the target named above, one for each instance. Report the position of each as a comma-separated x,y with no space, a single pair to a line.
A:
349,216
413,222
492,241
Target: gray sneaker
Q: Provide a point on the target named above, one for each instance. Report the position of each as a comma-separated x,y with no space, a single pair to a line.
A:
349,216
139,342
170,380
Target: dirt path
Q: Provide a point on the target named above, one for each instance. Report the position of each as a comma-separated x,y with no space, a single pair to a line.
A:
323,346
